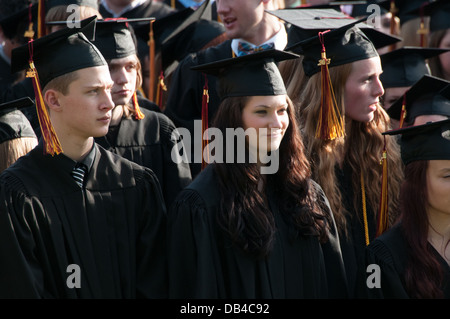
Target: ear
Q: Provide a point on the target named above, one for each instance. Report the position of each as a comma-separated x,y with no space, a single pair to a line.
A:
51,99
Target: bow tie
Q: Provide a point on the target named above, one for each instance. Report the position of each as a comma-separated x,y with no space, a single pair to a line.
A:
245,48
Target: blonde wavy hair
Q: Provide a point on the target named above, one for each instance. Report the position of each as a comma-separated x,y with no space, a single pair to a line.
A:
361,149
11,150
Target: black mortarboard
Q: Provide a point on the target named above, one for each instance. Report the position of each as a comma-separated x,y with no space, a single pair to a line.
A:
13,123
405,66
425,142
10,24
438,11
61,52
115,37
342,45
251,75
87,3
430,95
307,23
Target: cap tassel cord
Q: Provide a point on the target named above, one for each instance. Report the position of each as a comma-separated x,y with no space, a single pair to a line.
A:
41,19
422,30
52,145
403,112
393,10
330,123
205,101
138,115
161,87
151,45
382,219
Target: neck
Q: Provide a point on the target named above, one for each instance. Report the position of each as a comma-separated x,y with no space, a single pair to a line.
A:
266,30
439,233
77,150
116,115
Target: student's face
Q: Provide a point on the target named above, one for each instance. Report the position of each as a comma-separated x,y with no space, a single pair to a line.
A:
444,58
240,18
124,74
86,108
393,94
363,90
268,115
438,186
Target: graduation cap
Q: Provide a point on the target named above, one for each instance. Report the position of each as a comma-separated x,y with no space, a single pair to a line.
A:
438,11
11,23
405,66
13,123
250,75
430,95
425,142
64,51
115,39
408,9
308,23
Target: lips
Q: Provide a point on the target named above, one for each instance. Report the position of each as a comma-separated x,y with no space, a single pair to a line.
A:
122,92
228,22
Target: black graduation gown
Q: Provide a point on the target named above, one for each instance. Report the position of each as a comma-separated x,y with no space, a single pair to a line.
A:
114,230
184,102
204,263
354,244
389,252
148,142
148,9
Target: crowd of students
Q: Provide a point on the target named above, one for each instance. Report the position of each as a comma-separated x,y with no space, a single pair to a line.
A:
94,170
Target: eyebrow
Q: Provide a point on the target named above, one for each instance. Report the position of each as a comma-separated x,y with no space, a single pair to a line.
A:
272,106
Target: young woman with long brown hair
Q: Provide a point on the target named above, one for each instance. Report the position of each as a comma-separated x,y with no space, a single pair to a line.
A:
414,256
237,232
347,165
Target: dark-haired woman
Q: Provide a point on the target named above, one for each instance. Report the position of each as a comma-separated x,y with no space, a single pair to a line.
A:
239,231
413,258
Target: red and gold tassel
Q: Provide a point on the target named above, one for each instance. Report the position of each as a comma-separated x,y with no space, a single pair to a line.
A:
382,220
205,101
403,112
52,145
151,45
330,123
138,115
30,32
41,19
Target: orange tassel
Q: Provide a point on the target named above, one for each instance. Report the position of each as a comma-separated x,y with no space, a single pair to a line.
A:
151,44
403,112
172,3
138,115
330,123
161,87
52,145
41,19
382,222
205,101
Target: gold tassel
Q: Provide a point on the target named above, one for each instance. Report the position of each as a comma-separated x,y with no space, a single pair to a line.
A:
41,19
151,44
393,10
138,115
403,112
52,145
330,123
161,87
172,3
364,206
422,32
205,101
382,220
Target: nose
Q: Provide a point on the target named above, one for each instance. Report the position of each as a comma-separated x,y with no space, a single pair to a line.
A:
120,76
276,121
107,102
221,6
378,88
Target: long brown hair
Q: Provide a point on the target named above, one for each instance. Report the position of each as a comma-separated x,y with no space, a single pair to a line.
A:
361,149
245,214
415,225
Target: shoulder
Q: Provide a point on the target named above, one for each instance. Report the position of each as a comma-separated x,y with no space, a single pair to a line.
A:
203,190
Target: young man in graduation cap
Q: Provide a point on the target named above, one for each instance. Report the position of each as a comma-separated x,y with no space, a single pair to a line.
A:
138,134
426,101
249,29
77,221
17,137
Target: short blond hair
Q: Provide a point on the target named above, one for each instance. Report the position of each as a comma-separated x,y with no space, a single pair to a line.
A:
11,150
